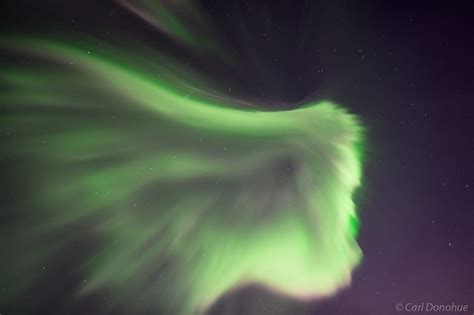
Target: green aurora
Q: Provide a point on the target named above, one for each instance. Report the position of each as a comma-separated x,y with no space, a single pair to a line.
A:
183,197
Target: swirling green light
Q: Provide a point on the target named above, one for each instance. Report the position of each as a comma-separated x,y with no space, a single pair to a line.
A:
184,198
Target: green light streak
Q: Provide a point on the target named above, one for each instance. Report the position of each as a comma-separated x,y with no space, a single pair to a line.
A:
184,198
182,21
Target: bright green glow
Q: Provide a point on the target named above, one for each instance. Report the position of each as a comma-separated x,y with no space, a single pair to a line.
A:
184,198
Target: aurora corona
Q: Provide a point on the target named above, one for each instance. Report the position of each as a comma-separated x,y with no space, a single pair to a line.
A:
182,196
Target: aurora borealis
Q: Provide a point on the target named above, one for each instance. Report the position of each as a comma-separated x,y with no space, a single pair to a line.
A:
173,188
200,196
199,157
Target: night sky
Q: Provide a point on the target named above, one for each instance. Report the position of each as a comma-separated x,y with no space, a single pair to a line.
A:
406,70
